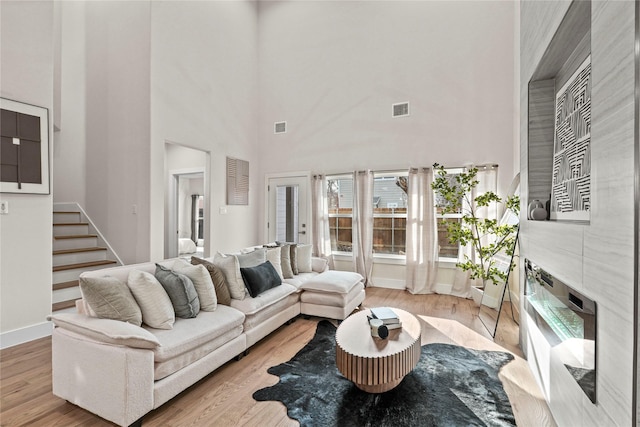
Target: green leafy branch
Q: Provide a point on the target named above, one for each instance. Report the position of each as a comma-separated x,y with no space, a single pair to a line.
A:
486,236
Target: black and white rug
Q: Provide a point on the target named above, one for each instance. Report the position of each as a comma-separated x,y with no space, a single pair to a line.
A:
451,386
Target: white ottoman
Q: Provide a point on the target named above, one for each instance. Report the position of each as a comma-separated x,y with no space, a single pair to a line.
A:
332,294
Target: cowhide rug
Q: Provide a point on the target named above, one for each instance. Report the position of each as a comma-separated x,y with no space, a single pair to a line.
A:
451,386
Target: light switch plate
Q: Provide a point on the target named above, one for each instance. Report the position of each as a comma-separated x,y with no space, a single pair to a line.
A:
223,210
4,207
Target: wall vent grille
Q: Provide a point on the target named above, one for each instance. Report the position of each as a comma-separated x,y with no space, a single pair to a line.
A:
280,127
400,110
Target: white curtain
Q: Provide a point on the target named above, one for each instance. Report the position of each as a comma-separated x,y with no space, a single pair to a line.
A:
363,225
487,181
422,233
320,218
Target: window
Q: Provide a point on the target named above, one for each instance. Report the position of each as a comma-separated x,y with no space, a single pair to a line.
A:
390,213
447,251
340,201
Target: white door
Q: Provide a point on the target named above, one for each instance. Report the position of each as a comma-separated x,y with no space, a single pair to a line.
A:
287,220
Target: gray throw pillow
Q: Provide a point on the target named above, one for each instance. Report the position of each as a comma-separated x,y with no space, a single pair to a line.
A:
285,262
260,278
110,298
181,292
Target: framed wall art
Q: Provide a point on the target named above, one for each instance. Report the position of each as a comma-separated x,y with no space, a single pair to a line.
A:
571,176
24,148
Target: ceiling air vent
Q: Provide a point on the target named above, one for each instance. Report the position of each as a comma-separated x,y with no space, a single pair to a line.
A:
400,110
280,127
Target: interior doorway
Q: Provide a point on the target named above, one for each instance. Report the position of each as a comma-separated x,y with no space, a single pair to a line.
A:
186,202
287,218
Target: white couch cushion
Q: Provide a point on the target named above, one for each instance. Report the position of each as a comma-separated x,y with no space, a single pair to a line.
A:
252,305
333,281
121,272
331,298
170,366
260,317
188,334
106,330
301,278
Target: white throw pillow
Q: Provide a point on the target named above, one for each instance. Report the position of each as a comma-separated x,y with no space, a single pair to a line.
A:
303,256
202,281
231,269
273,256
155,304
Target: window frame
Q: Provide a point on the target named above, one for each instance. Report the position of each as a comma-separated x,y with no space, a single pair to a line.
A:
341,215
391,256
439,217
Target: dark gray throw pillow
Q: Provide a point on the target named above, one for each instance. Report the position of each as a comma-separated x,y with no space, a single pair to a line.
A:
260,278
181,291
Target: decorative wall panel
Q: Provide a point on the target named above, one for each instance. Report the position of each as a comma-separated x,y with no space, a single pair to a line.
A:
237,181
571,187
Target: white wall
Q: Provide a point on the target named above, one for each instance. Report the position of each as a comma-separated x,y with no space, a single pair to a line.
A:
204,96
118,50
26,75
69,151
332,70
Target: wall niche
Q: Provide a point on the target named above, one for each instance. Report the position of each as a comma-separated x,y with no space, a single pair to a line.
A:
568,52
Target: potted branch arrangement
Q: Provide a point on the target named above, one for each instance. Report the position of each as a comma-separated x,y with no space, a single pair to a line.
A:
487,237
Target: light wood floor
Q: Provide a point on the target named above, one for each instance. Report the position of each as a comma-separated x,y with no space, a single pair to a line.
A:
224,397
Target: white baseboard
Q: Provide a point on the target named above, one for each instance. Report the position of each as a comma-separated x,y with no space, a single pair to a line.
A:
383,282
23,335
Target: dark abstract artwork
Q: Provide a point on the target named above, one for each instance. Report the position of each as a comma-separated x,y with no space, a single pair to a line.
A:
571,184
24,148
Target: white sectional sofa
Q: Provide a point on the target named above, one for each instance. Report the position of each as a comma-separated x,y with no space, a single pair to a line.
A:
120,371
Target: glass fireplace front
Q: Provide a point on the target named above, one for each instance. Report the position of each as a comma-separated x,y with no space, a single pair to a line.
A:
567,319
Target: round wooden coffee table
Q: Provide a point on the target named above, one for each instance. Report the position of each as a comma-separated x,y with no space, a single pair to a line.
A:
377,365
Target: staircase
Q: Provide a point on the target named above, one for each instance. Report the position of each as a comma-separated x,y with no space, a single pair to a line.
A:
77,247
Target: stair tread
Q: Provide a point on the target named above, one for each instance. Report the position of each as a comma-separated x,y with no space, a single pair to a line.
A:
65,285
65,212
82,265
60,224
76,236
79,250
64,304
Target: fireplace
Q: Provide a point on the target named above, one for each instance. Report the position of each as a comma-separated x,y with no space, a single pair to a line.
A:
567,320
